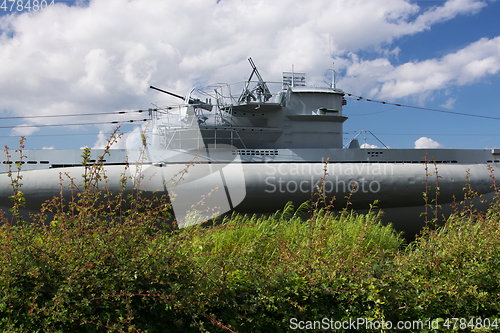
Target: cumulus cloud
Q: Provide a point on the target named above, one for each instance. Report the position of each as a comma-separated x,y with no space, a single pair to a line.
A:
425,142
380,78
367,145
24,130
463,67
101,141
448,11
102,56
131,140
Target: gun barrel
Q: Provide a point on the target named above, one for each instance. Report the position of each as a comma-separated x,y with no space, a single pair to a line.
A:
201,104
167,92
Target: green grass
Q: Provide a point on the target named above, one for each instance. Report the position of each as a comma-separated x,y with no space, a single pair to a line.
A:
286,233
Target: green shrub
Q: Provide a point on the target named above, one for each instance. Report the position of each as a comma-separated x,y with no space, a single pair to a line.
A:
99,265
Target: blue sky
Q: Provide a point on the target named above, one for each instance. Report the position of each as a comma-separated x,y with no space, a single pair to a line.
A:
100,56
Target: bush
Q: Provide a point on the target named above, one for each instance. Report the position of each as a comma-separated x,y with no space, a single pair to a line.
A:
99,265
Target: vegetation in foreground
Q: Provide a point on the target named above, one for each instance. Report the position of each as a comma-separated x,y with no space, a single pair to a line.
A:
100,266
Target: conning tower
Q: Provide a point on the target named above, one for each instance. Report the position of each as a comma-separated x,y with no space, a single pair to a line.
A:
262,115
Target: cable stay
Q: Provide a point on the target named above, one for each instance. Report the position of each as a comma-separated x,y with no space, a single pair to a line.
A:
354,143
76,124
360,98
77,115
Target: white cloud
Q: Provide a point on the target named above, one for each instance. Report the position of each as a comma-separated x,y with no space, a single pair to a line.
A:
133,140
450,103
96,64
103,57
130,140
425,142
380,78
367,145
101,141
23,130
449,10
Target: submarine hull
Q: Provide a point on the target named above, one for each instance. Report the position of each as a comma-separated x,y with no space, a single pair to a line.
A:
216,188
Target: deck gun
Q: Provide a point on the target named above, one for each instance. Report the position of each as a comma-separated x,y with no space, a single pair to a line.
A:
261,89
188,99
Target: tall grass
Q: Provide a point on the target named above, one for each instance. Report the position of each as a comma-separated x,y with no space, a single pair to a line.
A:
328,235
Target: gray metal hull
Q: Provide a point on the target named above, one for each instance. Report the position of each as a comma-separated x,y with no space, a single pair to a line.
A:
252,181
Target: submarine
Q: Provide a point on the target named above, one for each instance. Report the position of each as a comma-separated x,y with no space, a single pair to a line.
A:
253,146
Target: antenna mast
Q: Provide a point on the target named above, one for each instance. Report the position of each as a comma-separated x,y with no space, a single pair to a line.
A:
333,84
333,75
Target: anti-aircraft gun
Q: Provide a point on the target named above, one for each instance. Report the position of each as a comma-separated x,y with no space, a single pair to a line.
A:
260,92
